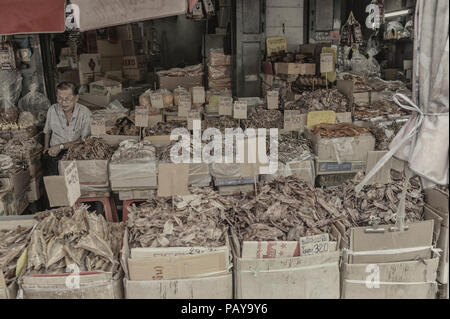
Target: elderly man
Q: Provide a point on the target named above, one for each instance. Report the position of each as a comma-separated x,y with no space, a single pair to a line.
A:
67,123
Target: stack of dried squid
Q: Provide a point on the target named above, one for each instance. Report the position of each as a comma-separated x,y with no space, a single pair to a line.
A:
185,221
339,130
80,237
91,148
285,209
320,100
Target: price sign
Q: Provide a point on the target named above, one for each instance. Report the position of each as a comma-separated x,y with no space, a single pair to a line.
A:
226,105
184,106
314,245
272,100
98,126
294,120
319,117
326,62
240,110
157,100
141,116
193,115
198,95
72,183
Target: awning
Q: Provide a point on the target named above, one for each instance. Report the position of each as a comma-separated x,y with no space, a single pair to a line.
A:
97,14
31,16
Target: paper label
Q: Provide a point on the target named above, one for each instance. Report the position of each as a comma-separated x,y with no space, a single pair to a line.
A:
272,100
72,183
293,120
193,115
157,100
320,117
98,126
240,110
214,101
184,106
198,95
226,105
275,45
314,245
326,62
141,116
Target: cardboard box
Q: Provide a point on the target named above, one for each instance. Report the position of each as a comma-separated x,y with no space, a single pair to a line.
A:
105,88
303,169
171,82
295,68
235,190
90,172
36,188
69,76
132,48
135,175
199,175
35,164
93,285
437,199
307,277
111,63
201,288
108,49
135,74
63,190
333,167
136,194
135,62
93,100
129,32
341,149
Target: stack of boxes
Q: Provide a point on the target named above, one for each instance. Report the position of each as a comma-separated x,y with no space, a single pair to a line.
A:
134,62
219,70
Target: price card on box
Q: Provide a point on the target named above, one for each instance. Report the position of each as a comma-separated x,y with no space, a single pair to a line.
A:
326,62
240,110
184,106
157,100
98,126
272,100
226,105
320,117
314,245
193,115
198,95
72,183
141,116
293,120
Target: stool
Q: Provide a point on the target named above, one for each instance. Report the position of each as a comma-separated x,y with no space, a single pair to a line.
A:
108,204
128,203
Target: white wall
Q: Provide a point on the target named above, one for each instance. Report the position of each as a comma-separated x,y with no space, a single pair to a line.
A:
289,12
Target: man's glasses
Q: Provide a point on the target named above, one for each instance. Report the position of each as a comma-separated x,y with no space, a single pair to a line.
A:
66,100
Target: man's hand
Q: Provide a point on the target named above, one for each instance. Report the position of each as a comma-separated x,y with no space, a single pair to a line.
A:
54,151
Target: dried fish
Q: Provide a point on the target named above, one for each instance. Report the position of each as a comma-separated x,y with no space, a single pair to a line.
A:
320,100
382,108
262,118
221,123
292,149
339,130
124,126
91,148
164,128
131,151
384,133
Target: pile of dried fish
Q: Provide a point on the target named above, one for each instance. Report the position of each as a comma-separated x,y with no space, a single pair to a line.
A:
82,238
91,148
193,220
284,209
339,130
6,163
262,118
381,108
309,81
124,126
130,151
292,149
320,100
384,133
220,123
192,70
20,149
164,128
376,203
12,245
360,83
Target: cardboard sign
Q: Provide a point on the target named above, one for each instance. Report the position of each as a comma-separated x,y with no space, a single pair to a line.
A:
319,117
141,116
98,126
293,120
226,105
275,45
193,115
173,179
272,100
184,107
314,245
326,62
157,100
198,95
240,110
270,249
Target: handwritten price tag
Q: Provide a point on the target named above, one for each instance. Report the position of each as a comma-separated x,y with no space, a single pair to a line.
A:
98,126
226,105
319,117
272,100
314,245
141,116
240,110
157,100
184,105
198,95
326,62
